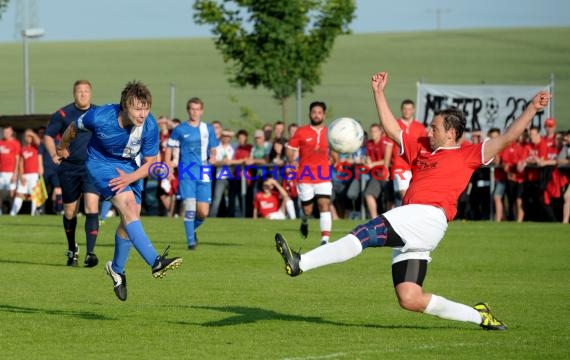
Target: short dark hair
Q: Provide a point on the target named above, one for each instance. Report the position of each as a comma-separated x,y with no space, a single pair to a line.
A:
407,102
135,90
453,118
493,130
320,104
242,132
194,100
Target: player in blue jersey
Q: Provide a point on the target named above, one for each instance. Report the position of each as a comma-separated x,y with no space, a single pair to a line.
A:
73,175
197,143
121,134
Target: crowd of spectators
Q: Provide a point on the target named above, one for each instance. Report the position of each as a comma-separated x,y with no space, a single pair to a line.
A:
527,182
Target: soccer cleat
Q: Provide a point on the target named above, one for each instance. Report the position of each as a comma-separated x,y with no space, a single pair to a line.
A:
488,321
72,257
304,229
290,257
162,264
119,281
324,242
91,260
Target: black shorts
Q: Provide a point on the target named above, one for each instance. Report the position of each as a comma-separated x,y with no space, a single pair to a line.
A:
74,181
515,190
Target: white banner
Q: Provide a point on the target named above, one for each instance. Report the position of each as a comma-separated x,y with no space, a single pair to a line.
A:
485,106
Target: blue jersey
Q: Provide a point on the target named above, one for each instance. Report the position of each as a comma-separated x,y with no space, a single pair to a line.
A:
113,147
112,143
195,144
59,122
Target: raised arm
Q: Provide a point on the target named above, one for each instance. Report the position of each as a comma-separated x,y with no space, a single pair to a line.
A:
494,146
387,119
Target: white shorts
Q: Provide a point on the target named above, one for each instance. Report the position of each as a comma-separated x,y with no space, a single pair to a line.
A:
31,181
277,215
402,180
307,191
6,181
421,228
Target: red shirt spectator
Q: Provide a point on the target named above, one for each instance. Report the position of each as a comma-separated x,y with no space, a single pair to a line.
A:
9,151
30,159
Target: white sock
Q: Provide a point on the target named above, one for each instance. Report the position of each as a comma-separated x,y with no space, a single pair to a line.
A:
341,250
34,207
325,222
290,207
446,309
16,206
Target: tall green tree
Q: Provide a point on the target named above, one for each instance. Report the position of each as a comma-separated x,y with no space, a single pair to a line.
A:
3,6
272,43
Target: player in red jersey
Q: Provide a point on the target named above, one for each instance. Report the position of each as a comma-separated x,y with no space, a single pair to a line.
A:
401,171
441,169
313,173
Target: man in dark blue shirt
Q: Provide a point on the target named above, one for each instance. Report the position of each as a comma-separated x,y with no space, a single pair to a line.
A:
73,175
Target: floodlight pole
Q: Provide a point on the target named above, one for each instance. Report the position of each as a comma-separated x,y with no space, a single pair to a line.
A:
26,34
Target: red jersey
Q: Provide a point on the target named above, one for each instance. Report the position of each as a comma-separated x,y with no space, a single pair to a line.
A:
510,157
9,149
552,149
266,205
534,151
313,148
30,159
242,152
414,130
440,176
375,151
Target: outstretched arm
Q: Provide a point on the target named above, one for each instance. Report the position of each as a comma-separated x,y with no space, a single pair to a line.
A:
494,146
387,119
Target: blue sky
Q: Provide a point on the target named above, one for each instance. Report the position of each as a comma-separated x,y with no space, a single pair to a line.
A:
72,20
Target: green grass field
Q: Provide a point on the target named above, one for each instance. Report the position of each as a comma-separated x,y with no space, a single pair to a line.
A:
506,56
232,300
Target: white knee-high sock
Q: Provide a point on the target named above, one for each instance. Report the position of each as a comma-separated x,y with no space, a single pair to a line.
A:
325,222
341,250
16,206
446,309
290,207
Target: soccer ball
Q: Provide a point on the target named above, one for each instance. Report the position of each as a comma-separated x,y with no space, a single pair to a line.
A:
345,135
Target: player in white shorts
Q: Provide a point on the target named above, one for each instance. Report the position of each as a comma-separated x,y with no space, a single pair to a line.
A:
312,170
442,169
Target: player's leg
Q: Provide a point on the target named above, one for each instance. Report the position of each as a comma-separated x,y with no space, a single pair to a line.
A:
306,196
375,233
323,193
19,197
127,206
106,206
17,203
91,204
70,179
116,267
203,200
188,190
408,276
